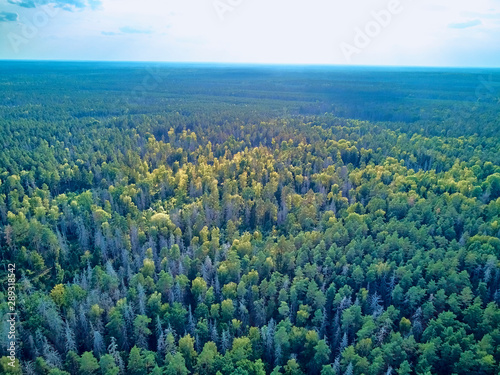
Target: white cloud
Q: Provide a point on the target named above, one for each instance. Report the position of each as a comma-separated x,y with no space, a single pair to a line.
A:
277,31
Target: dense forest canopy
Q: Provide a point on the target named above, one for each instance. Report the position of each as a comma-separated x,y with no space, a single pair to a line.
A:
197,219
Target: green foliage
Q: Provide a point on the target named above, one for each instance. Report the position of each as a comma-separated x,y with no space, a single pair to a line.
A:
9,367
88,364
136,362
187,232
176,365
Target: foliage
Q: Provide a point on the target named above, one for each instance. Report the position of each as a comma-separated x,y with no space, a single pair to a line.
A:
199,229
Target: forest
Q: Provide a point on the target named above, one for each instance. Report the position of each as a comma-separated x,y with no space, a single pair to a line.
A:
249,220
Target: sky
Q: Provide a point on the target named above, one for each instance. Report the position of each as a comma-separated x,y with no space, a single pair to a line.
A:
454,33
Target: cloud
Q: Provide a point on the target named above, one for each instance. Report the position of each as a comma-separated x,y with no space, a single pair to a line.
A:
23,3
465,25
8,17
127,30
133,30
63,4
481,15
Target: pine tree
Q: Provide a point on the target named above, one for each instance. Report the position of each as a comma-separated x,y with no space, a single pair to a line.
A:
175,365
136,362
88,364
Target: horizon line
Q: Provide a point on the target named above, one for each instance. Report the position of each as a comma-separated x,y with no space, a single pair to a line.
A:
225,63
